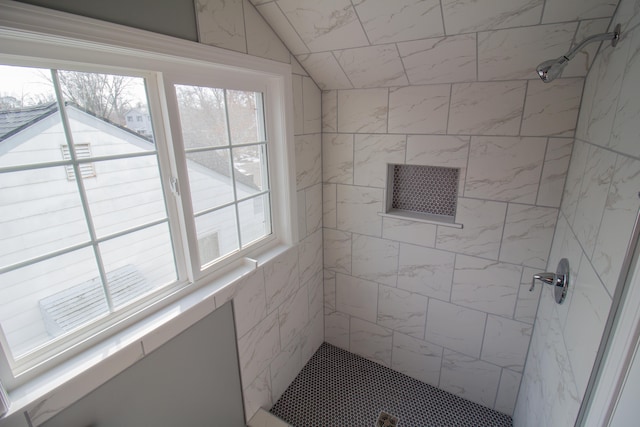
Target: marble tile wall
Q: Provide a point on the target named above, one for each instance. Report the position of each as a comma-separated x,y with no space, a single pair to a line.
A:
446,84
597,214
279,308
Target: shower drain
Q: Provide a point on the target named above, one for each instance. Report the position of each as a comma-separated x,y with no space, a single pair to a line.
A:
386,420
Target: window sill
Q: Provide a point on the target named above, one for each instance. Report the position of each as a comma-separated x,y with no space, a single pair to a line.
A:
46,395
441,220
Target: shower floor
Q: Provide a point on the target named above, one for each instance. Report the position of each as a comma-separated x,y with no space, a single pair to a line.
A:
338,388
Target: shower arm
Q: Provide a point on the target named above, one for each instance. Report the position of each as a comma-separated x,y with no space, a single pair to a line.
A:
613,36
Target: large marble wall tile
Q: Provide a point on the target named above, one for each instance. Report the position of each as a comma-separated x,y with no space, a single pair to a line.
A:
336,329
258,347
261,40
505,168
506,342
337,158
440,60
507,392
419,109
281,278
357,297
308,160
426,271
455,327
375,259
585,323
293,316
298,117
329,111
276,19
314,208
257,394
371,341
486,108
284,369
483,223
329,291
373,66
358,209
469,378
580,64
221,24
325,70
515,53
486,285
619,216
416,358
593,196
393,21
302,214
296,68
440,150
554,171
329,205
625,125
372,153
250,304
571,193
552,109
601,107
528,233
402,311
363,110
572,10
312,106
409,231
326,25
527,303
468,16
310,256
312,337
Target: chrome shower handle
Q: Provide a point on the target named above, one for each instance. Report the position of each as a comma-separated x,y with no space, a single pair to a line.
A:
559,280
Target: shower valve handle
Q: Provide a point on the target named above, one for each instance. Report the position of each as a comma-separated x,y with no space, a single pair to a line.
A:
559,280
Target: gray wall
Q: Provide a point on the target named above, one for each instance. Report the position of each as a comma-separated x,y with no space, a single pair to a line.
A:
171,17
192,380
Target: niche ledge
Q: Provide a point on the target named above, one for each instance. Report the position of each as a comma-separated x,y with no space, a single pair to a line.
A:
441,220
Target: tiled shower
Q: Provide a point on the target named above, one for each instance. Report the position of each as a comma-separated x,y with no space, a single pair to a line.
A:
457,88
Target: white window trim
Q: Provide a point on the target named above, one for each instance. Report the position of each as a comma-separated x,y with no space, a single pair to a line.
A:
57,37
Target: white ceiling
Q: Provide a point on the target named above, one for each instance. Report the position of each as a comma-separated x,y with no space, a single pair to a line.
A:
381,43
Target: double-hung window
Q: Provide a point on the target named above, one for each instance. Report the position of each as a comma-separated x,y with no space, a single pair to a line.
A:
103,221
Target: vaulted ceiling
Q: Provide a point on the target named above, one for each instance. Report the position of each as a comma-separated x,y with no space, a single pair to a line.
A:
381,43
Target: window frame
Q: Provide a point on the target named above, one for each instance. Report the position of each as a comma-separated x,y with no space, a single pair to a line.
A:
58,40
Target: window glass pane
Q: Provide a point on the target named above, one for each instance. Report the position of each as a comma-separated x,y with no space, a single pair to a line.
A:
250,172
125,193
254,219
138,263
40,212
42,301
108,111
202,116
221,223
210,179
245,120
30,127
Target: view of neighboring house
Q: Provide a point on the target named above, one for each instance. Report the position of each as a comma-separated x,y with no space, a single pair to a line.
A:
45,212
138,119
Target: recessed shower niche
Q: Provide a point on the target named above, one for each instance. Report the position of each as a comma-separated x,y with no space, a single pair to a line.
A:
422,193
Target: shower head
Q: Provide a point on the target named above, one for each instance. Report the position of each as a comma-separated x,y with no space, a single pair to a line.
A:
551,69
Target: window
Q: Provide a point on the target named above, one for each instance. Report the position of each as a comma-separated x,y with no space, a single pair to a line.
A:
98,237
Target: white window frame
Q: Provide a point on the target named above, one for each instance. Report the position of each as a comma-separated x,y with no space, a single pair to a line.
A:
33,36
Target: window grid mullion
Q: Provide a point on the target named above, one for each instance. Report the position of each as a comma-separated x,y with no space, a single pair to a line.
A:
81,189
233,174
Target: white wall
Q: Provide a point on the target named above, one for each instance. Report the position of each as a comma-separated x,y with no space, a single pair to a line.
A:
599,207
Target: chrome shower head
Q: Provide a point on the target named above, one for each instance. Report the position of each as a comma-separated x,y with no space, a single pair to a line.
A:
551,69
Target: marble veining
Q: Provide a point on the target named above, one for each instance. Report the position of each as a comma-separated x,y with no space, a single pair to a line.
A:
419,109
281,278
425,271
310,256
372,153
372,66
221,24
358,209
329,205
293,315
371,341
554,172
470,378
508,391
329,111
454,327
468,15
363,110
506,342
325,70
357,297
402,311
261,40
313,199
308,160
337,158
416,358
274,16
375,259
409,231
258,347
552,109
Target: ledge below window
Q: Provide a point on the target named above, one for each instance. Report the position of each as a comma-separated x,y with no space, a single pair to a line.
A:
442,220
